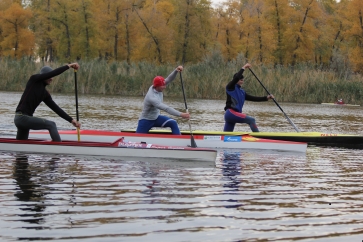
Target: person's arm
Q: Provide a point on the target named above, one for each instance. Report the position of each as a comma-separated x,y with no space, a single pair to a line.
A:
52,105
258,99
55,72
236,77
158,104
48,75
173,74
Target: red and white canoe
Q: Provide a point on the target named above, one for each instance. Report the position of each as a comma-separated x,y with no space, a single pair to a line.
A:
205,141
117,148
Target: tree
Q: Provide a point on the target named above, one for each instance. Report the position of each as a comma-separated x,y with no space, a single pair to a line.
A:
192,25
17,40
354,33
260,31
302,32
230,31
277,13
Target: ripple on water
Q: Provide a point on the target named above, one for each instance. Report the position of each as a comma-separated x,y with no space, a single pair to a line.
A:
246,195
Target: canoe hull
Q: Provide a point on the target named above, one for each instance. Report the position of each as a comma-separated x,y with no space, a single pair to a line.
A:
116,149
312,138
343,105
206,141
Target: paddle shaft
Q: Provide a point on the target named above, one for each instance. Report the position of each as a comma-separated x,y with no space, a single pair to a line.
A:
288,119
192,141
76,92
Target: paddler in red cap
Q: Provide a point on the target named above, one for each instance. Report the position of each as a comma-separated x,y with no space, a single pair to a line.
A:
150,116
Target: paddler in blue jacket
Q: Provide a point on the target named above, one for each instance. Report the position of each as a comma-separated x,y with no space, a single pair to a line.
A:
35,92
236,97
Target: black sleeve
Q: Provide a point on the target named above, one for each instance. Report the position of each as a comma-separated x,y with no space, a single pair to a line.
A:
236,77
52,105
256,99
55,72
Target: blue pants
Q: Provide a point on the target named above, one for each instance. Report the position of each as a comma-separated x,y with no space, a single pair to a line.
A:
232,117
24,123
145,125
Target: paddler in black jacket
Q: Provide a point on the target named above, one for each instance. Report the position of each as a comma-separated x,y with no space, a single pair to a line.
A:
35,93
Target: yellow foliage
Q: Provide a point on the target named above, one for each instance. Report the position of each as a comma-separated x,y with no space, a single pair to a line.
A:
18,40
167,31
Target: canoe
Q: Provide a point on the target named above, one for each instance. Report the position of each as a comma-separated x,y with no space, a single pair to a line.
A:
214,141
311,138
118,148
345,104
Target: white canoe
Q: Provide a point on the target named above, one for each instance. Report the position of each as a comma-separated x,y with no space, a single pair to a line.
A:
205,141
118,148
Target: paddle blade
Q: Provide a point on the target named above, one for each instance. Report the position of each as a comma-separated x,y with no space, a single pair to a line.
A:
192,141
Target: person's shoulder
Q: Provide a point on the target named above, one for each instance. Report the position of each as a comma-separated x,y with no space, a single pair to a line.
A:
33,78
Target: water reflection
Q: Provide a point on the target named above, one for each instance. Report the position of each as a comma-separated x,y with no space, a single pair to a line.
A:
231,170
31,191
151,183
258,196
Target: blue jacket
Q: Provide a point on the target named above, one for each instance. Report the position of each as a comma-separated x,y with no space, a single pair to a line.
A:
236,96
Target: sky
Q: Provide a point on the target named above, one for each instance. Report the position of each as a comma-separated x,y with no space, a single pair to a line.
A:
214,2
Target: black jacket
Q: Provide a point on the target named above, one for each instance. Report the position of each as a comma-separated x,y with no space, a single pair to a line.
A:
35,93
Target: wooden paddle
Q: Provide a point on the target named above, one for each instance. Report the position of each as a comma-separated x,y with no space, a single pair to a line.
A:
288,119
76,91
192,141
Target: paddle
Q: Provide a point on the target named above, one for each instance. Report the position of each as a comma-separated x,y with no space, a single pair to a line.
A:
192,141
288,119
76,91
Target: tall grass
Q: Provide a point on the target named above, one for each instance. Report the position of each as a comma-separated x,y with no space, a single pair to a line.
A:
302,83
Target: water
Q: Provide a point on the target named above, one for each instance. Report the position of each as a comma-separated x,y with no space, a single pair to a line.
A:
246,196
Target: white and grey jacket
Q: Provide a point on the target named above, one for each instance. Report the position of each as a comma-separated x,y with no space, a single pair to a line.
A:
153,102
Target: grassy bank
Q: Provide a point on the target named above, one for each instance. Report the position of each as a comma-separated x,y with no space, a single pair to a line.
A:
302,83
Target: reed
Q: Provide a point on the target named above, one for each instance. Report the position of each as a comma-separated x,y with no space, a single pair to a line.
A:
302,83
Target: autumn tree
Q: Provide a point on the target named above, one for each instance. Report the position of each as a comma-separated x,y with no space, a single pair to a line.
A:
85,42
302,31
229,29
192,25
42,26
260,31
354,33
157,35
17,40
277,14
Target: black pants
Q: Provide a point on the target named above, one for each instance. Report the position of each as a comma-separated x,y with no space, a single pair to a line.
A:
24,123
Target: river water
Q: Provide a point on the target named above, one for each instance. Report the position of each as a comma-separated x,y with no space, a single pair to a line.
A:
246,196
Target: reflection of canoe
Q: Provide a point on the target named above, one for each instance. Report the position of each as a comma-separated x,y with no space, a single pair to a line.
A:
118,148
313,138
337,104
228,141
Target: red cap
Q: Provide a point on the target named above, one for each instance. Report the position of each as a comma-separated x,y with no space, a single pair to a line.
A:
159,81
